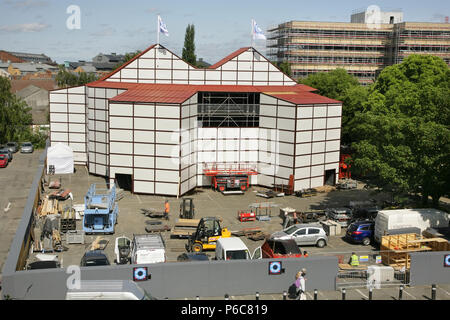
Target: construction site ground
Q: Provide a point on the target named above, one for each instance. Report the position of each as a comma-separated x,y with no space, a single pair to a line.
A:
207,203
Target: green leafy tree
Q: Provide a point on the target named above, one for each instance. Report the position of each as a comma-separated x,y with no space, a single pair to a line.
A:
340,85
65,78
402,133
188,53
285,67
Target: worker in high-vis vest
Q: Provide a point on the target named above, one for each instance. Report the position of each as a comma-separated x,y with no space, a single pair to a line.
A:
166,209
354,260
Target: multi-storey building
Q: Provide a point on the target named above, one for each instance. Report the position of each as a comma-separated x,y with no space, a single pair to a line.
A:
363,49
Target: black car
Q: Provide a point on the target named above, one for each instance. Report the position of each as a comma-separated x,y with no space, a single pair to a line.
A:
12,146
192,256
94,258
43,265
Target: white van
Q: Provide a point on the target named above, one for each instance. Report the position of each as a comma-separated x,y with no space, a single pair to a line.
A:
107,290
234,248
409,218
147,248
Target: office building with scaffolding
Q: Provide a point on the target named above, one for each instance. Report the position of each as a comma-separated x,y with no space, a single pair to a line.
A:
165,127
361,47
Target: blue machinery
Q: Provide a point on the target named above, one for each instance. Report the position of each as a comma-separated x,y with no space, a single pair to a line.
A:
100,210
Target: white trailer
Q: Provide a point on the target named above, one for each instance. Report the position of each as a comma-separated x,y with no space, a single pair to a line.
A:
234,248
409,218
148,248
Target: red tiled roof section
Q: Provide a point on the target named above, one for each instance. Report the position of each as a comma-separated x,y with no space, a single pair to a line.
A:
178,93
228,58
46,84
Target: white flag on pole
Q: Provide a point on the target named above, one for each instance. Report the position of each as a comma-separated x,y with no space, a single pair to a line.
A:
162,27
257,33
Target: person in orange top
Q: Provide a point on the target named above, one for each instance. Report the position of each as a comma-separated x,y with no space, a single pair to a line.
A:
166,209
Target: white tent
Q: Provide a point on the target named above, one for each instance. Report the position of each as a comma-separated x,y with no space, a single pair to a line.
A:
61,157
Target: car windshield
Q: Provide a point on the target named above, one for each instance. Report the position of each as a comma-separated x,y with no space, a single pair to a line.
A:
10,144
236,254
285,247
291,230
26,144
97,262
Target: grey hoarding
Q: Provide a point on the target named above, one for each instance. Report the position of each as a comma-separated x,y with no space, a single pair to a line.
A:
429,268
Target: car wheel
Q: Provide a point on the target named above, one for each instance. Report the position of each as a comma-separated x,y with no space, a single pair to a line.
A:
366,241
321,243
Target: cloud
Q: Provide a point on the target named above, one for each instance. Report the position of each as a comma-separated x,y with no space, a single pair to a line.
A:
27,4
25,27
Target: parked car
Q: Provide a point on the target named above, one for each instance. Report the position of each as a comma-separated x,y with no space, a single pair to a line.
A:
304,234
192,256
8,153
27,147
361,232
12,146
341,215
94,258
3,161
276,248
233,248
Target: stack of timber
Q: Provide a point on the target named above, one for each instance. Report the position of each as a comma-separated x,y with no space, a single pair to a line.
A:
68,220
99,243
184,227
48,206
325,188
395,249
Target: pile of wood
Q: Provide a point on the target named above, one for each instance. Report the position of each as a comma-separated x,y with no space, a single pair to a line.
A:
49,206
184,227
395,249
325,188
99,243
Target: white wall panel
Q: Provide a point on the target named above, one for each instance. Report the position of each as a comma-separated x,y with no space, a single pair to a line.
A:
275,76
55,117
146,74
166,124
77,108
304,112
165,175
58,97
249,144
166,188
144,149
80,118
304,136
334,123
144,162
318,147
317,158
144,174
167,137
143,187
121,147
167,163
55,126
317,171
304,148
286,161
320,112
286,148
168,112
144,123
163,150
77,137
58,136
332,157
332,146
144,110
287,112
267,122
265,99
122,135
302,161
76,98
249,156
120,160
100,92
319,123
334,111
120,109
114,170
163,74
316,182
301,184
267,110
58,107
264,180
249,133
146,63
303,124
286,124
319,135
302,173
333,134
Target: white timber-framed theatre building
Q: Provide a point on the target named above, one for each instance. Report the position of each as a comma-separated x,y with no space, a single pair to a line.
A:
157,122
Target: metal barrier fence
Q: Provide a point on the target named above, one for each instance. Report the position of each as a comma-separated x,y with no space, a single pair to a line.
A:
371,272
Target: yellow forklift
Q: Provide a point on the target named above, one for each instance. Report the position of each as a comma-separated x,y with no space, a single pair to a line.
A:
207,233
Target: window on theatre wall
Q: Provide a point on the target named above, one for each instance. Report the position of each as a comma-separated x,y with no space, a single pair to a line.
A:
228,109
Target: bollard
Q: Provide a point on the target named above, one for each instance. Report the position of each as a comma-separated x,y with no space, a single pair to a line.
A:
433,292
284,295
400,293
197,298
370,293
343,293
257,295
226,296
315,294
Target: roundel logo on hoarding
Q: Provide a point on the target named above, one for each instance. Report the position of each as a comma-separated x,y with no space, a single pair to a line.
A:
275,267
140,274
447,260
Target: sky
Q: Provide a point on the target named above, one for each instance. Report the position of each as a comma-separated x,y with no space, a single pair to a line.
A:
221,27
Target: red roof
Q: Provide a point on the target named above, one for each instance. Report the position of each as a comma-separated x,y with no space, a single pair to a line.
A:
228,57
178,93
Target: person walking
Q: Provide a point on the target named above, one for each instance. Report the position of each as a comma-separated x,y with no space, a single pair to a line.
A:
166,209
300,284
354,260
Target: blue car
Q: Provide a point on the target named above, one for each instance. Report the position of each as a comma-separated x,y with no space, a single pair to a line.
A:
361,232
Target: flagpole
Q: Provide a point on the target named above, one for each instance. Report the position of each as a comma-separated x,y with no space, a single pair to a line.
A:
157,28
252,33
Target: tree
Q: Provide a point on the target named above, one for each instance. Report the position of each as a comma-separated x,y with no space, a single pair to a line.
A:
15,116
285,67
340,85
402,134
65,78
188,54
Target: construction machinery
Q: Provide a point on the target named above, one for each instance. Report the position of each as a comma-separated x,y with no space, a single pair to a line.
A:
208,232
101,210
187,208
229,178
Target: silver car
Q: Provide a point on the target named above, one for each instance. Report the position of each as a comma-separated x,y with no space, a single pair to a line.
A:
304,234
27,147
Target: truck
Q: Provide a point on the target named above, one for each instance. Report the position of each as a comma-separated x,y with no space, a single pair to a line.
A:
233,248
107,290
148,248
100,210
422,219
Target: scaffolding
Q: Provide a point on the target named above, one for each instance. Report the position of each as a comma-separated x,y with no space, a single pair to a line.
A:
312,47
228,109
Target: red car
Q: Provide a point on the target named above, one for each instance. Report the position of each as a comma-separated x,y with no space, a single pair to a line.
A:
3,161
273,248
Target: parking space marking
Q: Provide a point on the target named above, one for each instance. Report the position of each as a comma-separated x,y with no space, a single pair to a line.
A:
446,292
409,295
139,199
310,296
359,291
